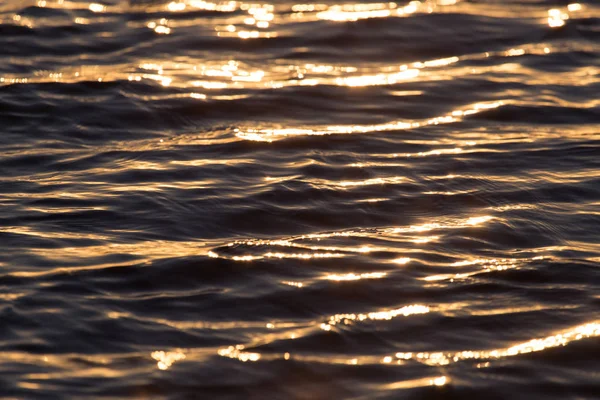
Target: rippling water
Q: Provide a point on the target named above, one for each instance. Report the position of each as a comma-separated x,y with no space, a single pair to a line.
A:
300,201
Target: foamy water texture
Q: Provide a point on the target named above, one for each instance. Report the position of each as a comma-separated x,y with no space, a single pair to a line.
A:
237,200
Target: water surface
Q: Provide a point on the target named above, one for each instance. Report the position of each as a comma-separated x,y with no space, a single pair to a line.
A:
300,201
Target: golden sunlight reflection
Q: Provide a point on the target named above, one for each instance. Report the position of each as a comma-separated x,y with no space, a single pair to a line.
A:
85,258
472,221
279,255
556,18
442,62
277,331
11,296
436,152
270,135
478,220
256,251
316,251
425,239
221,6
97,8
303,247
401,260
588,330
217,75
237,353
373,200
379,79
355,277
176,6
294,284
318,279
366,182
482,266
166,358
354,12
415,383
439,381
349,318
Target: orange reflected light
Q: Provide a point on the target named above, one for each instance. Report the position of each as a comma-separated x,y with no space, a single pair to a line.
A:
375,316
556,18
269,135
588,330
236,352
166,358
95,7
355,277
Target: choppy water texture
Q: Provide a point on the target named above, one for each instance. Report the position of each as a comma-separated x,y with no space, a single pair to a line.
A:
300,201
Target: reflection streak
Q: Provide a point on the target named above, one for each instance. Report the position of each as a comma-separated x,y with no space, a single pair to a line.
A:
270,135
588,330
375,316
166,358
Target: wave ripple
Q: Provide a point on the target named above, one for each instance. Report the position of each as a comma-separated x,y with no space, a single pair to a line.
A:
299,201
